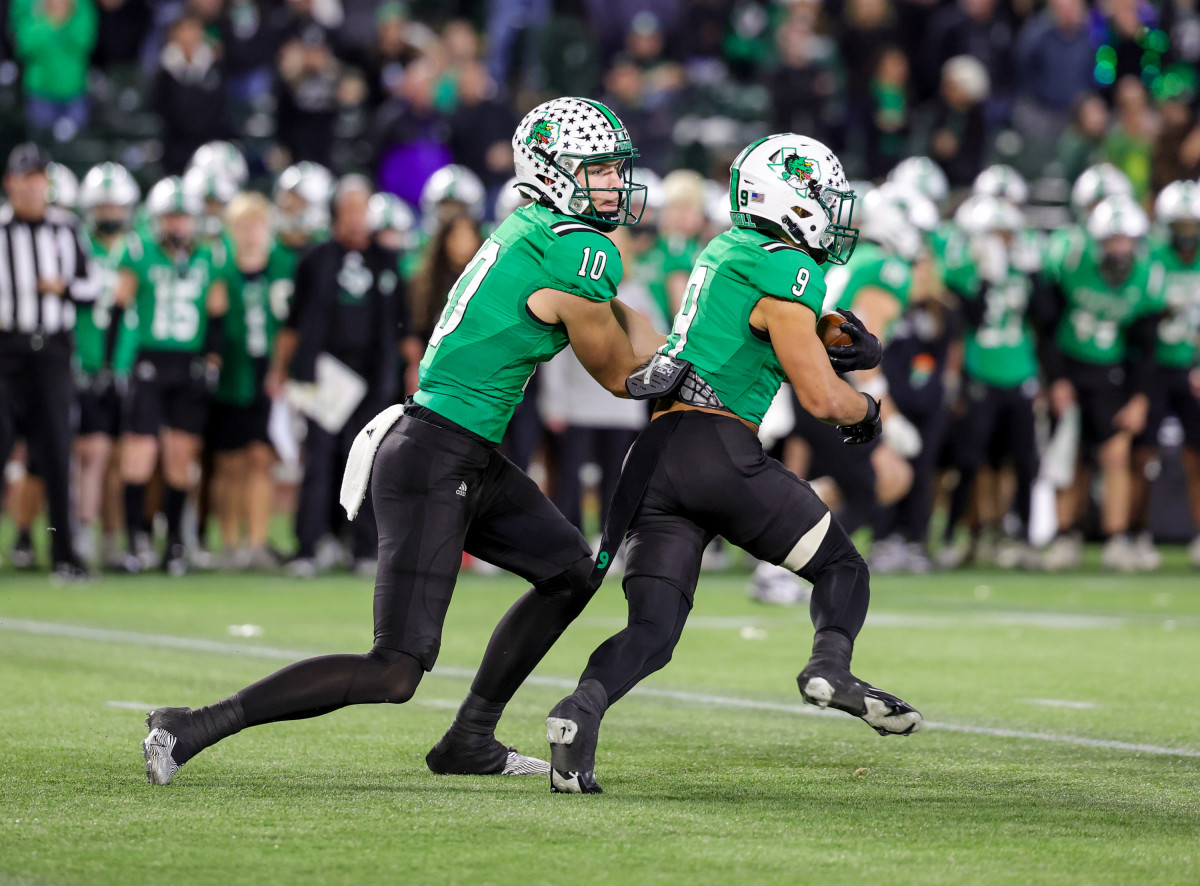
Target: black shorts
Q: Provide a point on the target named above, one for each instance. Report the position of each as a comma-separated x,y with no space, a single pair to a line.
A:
1172,394
713,478
438,491
99,406
1100,391
232,427
997,424
167,390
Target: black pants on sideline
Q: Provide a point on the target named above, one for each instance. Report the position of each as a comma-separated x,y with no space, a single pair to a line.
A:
909,517
37,386
996,420
324,460
606,448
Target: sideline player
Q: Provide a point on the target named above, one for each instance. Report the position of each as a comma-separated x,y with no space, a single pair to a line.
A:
748,321
546,278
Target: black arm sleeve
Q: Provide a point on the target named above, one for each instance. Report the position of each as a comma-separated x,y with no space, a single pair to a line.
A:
1045,312
974,307
1142,338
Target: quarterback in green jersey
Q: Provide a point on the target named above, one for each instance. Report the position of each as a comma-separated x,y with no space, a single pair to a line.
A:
1176,388
544,279
173,283
103,338
1110,297
748,323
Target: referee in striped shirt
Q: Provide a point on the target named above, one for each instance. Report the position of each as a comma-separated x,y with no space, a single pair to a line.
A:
44,272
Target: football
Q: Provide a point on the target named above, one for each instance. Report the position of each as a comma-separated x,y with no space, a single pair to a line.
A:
829,329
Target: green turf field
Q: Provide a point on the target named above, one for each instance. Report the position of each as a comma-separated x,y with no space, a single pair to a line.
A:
1062,744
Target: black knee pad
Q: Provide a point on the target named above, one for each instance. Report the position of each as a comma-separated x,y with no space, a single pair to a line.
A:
570,582
395,675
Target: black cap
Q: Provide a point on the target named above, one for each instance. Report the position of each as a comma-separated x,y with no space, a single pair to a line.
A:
26,158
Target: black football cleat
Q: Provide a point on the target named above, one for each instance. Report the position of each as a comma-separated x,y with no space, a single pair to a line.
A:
828,686
167,726
573,730
454,755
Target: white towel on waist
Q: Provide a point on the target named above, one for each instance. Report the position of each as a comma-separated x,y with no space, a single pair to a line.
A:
357,477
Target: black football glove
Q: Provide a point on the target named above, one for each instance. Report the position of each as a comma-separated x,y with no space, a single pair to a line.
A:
864,352
866,430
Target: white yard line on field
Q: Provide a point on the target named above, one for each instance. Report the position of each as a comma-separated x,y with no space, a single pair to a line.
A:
192,644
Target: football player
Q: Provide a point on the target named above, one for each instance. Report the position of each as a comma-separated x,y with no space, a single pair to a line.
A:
1110,298
748,322
173,282
105,338
1176,388
1000,365
258,279
544,279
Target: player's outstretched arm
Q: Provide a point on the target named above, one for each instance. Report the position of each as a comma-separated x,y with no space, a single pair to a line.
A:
597,338
793,331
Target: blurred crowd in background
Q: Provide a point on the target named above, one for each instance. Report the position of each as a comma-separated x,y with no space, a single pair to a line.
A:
385,128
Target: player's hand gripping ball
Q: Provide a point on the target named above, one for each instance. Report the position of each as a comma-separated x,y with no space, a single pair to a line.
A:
848,343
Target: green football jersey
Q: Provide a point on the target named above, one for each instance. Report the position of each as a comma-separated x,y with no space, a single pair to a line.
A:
171,295
92,320
258,305
1098,314
712,328
1001,351
487,344
1180,329
667,256
869,266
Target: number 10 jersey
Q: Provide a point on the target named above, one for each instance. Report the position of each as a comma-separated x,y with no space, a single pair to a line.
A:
487,343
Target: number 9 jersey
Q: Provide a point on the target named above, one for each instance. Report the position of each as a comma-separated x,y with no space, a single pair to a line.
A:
712,328
487,342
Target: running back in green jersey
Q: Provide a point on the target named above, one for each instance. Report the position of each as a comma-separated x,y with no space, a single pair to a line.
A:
487,343
869,266
258,305
712,328
1098,314
171,296
92,320
1179,330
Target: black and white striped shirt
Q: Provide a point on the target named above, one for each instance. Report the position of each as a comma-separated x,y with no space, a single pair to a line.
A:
50,249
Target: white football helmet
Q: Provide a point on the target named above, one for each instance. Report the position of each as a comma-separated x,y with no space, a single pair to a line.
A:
170,197
794,187
1115,216
222,160
107,184
558,137
924,176
1002,181
886,223
451,183
215,191
1179,201
987,214
1094,184
509,200
64,187
387,212
313,184
920,210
